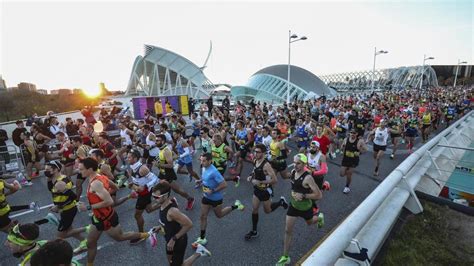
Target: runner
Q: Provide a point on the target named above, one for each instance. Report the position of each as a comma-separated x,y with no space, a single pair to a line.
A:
262,178
81,151
165,164
318,168
150,151
62,251
66,153
426,125
212,185
411,132
395,125
303,191
104,217
242,148
143,180
31,156
175,225
22,243
278,155
109,151
64,201
352,147
126,136
380,137
302,134
185,158
220,154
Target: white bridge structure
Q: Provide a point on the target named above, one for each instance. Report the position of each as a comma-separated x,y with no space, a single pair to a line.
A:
161,72
427,170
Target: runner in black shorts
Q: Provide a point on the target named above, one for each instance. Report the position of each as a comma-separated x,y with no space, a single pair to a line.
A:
262,178
352,147
175,226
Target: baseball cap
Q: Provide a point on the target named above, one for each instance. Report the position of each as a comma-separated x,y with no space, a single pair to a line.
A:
315,143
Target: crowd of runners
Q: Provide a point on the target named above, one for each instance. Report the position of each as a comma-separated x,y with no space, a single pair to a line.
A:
146,157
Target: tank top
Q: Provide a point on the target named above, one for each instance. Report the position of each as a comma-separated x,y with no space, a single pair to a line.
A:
139,180
259,174
241,136
165,172
313,162
65,200
381,136
219,156
107,149
180,149
274,149
302,133
4,207
351,150
38,141
297,187
426,119
101,213
206,145
171,227
126,140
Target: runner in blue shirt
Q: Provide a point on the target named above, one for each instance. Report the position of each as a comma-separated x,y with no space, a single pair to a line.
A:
212,185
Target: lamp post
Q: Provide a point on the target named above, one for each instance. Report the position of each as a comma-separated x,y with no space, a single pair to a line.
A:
423,68
457,68
373,69
291,39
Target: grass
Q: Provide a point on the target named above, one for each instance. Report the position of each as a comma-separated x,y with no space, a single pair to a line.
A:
438,236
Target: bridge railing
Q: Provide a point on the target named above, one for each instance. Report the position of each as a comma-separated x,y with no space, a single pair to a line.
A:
366,228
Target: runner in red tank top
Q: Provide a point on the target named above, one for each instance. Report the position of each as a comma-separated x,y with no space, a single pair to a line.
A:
104,217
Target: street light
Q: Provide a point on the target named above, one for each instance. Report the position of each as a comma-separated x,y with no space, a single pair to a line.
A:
291,39
457,68
373,69
423,68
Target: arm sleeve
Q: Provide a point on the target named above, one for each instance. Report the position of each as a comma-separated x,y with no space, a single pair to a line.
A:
322,171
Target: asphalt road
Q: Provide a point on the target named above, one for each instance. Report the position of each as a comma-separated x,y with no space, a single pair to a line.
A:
226,235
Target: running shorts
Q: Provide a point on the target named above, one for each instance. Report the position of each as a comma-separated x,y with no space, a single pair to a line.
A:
66,219
212,203
379,148
262,195
143,201
307,215
177,255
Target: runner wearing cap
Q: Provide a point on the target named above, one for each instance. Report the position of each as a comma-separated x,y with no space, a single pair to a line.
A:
352,148
318,168
303,191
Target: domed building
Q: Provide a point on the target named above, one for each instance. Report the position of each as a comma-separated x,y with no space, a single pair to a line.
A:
270,85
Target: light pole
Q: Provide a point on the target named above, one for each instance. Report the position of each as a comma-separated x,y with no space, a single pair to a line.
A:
457,68
423,68
291,39
373,69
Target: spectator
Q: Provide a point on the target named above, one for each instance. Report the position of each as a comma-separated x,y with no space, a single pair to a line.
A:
191,105
210,105
17,132
71,128
3,148
226,102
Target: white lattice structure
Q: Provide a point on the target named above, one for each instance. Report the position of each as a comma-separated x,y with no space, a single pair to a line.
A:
161,72
397,78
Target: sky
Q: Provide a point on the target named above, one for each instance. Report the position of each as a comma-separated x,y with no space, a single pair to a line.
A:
80,44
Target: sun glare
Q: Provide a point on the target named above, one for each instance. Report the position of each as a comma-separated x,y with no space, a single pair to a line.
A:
92,92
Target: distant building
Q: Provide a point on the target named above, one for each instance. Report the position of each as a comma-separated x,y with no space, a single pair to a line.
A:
25,86
3,85
12,88
61,92
77,91
42,91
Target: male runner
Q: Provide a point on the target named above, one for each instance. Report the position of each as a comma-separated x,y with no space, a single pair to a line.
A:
303,191
278,155
262,178
318,168
352,147
104,217
185,155
380,136
81,151
22,243
212,185
175,225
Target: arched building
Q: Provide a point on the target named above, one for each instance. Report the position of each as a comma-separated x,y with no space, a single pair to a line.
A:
161,72
270,85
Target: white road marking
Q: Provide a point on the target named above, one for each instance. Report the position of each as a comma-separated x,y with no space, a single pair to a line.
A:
30,211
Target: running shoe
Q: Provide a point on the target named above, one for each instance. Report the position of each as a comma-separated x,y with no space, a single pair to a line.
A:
251,234
320,220
326,185
231,164
88,228
203,251
35,206
338,151
333,155
392,156
284,203
315,211
199,241
190,204
34,174
197,185
152,240
237,181
26,183
346,190
16,184
121,180
239,205
284,260
52,219
81,248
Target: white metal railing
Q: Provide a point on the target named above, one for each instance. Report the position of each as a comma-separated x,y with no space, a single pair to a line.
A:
366,228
